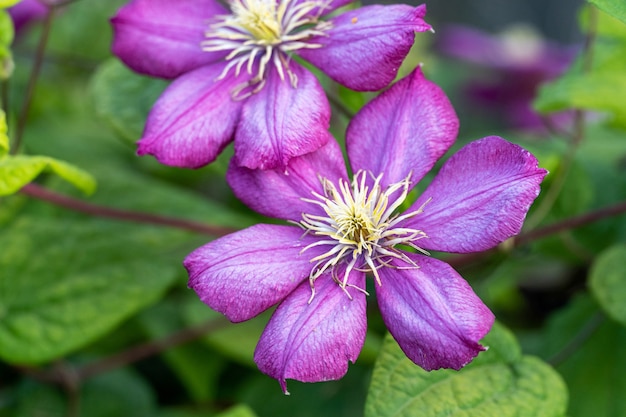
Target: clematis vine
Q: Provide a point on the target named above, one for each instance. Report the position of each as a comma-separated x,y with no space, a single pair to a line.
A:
342,230
235,79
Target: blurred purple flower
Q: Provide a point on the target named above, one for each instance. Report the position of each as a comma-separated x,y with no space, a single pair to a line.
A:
25,12
518,61
235,77
479,198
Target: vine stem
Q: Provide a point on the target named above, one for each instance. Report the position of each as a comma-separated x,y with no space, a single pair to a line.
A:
578,340
70,377
557,227
32,80
40,193
576,136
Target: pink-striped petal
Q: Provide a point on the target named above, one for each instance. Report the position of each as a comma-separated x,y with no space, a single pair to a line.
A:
281,122
162,37
365,47
404,130
279,192
432,313
193,120
313,342
479,198
245,273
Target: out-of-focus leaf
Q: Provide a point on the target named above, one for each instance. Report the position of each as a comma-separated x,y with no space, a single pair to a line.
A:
17,171
4,139
6,38
197,366
606,25
241,410
616,8
115,393
111,87
607,280
236,341
8,3
594,372
500,382
66,282
601,88
83,30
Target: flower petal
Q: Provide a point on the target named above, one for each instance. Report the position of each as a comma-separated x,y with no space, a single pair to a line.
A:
313,342
404,130
245,273
26,12
365,47
279,192
162,37
193,120
479,198
432,313
281,122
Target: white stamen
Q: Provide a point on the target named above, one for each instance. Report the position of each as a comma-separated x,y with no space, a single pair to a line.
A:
360,228
260,33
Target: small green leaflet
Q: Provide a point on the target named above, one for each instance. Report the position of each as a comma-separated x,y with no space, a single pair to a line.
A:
616,8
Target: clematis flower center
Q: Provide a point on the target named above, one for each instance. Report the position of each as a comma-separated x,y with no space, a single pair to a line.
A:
360,228
259,33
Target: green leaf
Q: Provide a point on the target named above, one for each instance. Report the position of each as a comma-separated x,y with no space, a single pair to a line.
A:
4,4
197,366
67,282
594,371
115,393
17,171
112,85
241,410
6,29
605,25
616,8
4,138
235,341
500,382
607,280
602,88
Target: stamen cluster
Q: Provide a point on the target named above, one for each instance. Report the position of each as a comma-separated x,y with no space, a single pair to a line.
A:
360,226
268,30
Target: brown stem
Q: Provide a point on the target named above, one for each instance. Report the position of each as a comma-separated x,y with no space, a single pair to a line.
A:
525,238
579,339
41,193
32,81
148,349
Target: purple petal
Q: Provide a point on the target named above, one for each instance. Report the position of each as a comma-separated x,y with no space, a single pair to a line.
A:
366,46
432,313
278,193
404,130
26,12
193,120
314,342
479,198
245,273
162,37
281,122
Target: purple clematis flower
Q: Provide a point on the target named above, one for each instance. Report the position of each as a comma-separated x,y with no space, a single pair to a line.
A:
26,12
517,61
315,269
235,77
